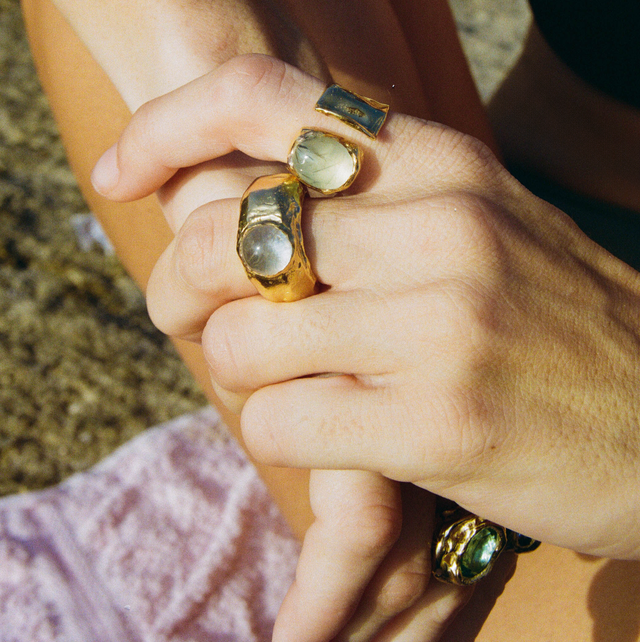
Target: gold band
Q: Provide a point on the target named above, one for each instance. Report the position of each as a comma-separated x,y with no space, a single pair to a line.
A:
361,113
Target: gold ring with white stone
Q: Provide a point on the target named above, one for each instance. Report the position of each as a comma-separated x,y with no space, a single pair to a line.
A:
269,241
466,547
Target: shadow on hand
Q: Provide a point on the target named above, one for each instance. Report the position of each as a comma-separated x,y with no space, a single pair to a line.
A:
467,624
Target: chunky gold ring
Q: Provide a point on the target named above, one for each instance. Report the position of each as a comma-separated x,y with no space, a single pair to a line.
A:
269,241
466,547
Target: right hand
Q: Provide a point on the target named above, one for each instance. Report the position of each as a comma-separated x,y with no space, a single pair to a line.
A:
386,583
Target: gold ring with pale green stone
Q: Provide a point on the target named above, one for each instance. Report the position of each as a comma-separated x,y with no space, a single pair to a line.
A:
269,241
466,547
324,162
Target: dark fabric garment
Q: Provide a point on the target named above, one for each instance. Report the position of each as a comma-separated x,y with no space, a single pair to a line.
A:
599,40
614,228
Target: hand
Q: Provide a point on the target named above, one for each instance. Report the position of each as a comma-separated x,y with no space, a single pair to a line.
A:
365,568
479,329
364,572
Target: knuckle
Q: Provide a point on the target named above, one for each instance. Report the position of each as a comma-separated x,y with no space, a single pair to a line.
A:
244,77
469,396
472,231
401,591
225,351
469,159
377,528
199,251
140,137
471,437
156,305
261,421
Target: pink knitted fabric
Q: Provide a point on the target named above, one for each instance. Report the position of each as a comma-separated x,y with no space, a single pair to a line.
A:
172,538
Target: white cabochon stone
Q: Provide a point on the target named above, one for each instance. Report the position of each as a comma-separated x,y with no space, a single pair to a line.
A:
266,249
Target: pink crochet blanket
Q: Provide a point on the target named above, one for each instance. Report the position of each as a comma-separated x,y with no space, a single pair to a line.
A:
172,538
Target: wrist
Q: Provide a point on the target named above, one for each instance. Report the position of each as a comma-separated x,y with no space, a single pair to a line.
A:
148,49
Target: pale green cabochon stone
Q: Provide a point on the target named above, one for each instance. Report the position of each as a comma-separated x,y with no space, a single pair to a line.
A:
480,552
322,162
266,249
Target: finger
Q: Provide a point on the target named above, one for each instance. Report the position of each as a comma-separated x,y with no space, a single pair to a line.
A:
253,343
324,432
200,270
221,178
358,519
255,104
430,617
468,624
232,401
258,105
331,423
402,589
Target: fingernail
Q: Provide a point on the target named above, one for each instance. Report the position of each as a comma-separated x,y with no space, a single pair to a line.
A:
106,174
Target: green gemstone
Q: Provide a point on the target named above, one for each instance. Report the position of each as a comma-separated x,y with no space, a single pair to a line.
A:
322,161
481,551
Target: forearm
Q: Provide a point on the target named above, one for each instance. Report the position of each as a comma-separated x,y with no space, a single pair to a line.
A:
405,52
90,115
149,47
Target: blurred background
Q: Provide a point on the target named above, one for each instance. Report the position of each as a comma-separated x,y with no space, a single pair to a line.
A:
82,369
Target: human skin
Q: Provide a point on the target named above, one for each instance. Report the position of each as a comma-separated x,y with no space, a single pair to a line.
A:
523,334
397,573
550,597
537,353
90,110
543,117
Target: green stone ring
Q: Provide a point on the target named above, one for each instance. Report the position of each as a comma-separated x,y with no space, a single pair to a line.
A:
324,162
466,547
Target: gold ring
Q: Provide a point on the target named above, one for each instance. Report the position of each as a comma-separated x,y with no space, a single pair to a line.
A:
324,162
269,241
466,547
361,113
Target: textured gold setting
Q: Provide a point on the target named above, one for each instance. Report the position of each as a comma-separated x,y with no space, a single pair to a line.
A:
361,113
450,544
277,201
453,554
